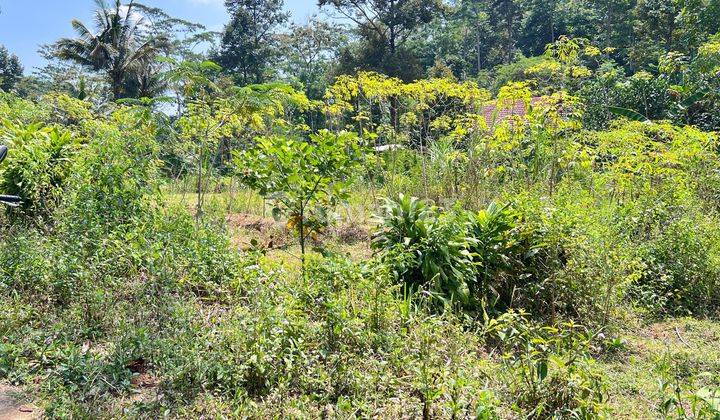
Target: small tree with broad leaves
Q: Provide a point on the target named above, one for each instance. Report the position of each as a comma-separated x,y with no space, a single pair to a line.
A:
303,180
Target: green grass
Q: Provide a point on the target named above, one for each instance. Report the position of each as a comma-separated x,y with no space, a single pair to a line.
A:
276,343
270,342
632,369
634,373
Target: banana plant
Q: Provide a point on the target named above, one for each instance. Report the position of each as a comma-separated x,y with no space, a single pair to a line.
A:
628,113
9,200
684,107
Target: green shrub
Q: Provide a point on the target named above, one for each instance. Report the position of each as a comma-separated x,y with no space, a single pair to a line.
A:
249,352
22,111
426,248
116,181
508,257
583,261
681,273
39,167
685,393
26,264
200,259
551,373
488,260
304,180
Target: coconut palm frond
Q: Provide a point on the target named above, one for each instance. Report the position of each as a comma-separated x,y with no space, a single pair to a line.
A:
70,49
82,31
119,45
152,47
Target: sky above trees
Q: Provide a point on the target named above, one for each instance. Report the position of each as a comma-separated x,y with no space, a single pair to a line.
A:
26,24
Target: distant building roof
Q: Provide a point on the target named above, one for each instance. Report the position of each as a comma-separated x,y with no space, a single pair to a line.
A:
493,115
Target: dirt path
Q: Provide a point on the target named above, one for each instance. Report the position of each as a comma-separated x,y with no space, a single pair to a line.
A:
12,408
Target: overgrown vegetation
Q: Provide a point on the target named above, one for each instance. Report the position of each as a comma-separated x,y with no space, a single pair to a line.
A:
434,247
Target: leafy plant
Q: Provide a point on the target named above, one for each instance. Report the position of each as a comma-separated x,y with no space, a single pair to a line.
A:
485,260
506,256
7,199
118,46
41,166
551,372
628,113
426,248
304,180
681,393
212,121
680,271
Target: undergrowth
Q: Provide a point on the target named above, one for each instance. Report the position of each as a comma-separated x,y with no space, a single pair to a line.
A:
118,302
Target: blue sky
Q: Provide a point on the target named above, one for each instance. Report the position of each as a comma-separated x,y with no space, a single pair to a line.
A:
25,24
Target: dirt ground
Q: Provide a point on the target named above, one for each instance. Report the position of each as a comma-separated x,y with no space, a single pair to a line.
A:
12,407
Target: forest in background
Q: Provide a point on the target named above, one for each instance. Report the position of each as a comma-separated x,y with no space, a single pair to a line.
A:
646,56
400,209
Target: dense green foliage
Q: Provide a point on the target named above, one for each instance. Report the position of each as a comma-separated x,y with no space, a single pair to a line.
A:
10,70
469,235
304,180
249,46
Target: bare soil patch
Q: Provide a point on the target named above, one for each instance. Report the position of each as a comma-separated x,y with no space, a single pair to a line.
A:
13,408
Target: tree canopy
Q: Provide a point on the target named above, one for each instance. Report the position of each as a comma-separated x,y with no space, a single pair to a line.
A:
11,70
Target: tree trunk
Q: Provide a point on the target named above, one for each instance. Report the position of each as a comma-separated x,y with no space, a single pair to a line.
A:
301,227
117,86
198,206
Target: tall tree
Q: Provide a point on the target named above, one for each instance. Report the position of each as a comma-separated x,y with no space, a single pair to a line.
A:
671,25
541,25
385,26
11,70
655,29
64,76
474,17
188,39
506,16
545,21
461,41
307,54
614,21
249,44
119,47
697,20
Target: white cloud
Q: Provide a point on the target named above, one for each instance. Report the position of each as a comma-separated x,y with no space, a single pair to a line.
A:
137,17
208,2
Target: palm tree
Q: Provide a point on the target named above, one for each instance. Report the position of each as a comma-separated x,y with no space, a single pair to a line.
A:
119,47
